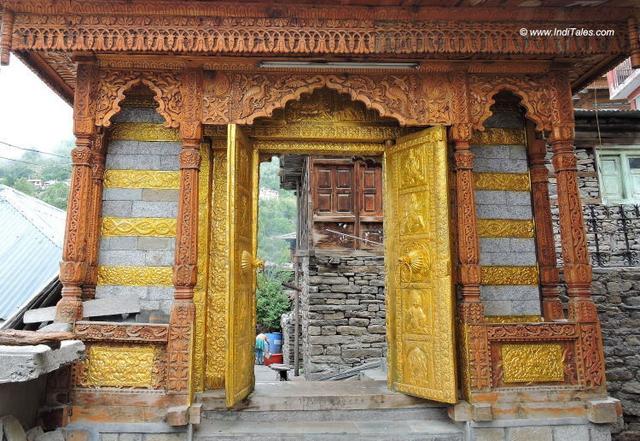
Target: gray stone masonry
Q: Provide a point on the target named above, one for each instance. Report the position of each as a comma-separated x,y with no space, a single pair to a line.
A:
139,202
343,312
616,291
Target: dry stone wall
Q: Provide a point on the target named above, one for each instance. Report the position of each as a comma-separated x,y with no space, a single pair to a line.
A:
343,312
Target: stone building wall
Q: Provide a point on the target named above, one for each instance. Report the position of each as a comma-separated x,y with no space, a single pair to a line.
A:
343,312
616,278
136,247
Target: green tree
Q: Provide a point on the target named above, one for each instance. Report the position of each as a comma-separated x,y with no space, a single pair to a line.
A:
271,300
56,195
24,186
276,216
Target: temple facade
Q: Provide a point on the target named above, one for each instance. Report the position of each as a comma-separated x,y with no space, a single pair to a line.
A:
177,102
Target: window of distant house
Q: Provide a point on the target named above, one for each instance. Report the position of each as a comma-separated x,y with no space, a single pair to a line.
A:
619,172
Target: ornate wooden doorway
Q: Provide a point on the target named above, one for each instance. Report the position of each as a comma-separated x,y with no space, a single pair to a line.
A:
417,245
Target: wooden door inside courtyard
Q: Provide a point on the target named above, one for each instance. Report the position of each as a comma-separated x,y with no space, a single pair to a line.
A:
418,285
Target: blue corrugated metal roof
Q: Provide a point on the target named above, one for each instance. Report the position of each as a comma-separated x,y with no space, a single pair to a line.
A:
31,236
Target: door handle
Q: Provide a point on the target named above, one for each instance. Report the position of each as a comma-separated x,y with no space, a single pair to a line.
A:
247,262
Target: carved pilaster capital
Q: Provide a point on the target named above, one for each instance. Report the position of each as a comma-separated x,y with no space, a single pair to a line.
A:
582,310
72,273
562,133
81,156
190,158
463,160
461,134
185,276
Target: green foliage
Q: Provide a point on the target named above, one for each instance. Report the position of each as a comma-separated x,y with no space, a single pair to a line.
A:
56,195
272,302
21,184
276,216
44,167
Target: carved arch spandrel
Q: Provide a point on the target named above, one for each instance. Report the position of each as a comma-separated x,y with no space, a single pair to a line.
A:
535,92
113,84
411,99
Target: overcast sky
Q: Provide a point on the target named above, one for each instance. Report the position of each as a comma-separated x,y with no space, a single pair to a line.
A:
31,114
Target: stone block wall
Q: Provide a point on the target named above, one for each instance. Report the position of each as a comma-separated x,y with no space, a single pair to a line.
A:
287,325
343,312
135,205
499,202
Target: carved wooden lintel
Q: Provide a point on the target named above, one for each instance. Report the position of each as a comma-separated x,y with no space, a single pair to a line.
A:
121,332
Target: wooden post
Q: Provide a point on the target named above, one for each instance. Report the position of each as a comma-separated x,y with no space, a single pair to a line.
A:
8,18
545,244
467,225
94,218
577,269
73,267
186,256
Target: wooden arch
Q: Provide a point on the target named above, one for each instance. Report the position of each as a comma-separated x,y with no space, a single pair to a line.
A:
113,84
534,92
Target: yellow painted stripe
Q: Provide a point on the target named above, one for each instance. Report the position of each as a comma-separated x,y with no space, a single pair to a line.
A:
154,179
139,226
509,275
131,131
502,181
513,319
505,228
498,136
135,275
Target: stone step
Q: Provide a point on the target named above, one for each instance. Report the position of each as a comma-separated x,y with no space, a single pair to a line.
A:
319,395
409,430
211,418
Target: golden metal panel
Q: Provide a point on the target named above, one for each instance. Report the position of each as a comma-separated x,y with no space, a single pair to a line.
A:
242,208
135,275
202,284
120,366
218,268
532,362
153,179
498,136
420,301
139,226
505,228
322,147
502,181
513,318
133,131
509,275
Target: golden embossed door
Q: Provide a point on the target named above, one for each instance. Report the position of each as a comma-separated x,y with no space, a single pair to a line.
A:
420,301
242,183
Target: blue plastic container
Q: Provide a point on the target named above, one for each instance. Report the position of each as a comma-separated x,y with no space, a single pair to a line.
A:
275,342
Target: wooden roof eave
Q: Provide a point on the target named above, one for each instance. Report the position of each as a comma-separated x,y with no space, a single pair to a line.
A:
47,74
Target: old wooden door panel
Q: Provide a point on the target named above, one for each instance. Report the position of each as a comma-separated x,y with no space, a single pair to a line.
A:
242,182
420,301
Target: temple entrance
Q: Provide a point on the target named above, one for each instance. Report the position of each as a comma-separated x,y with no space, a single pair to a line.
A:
417,256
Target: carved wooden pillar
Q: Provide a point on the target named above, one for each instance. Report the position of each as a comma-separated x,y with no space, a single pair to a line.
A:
73,268
468,242
577,269
186,257
94,218
5,37
545,245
